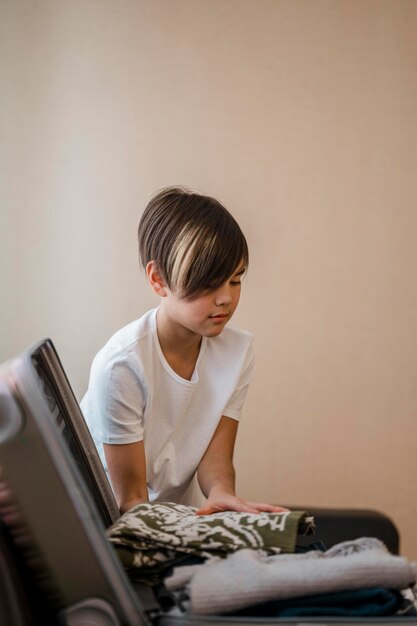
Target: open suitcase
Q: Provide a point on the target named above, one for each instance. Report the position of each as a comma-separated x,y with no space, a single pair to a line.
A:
56,564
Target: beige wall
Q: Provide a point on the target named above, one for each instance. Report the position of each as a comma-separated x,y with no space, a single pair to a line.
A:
300,115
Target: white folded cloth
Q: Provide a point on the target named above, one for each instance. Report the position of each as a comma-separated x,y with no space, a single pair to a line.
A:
248,577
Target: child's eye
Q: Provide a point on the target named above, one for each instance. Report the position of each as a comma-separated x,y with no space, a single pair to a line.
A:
235,282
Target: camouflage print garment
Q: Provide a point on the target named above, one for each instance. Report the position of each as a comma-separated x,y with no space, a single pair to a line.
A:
150,538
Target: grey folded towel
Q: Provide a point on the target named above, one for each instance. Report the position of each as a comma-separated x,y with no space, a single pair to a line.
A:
248,577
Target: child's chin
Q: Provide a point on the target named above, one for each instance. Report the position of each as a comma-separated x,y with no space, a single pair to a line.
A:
215,331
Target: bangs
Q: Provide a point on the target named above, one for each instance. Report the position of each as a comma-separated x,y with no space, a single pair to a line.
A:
205,258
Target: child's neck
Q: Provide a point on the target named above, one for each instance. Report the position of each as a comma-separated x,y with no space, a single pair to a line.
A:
179,346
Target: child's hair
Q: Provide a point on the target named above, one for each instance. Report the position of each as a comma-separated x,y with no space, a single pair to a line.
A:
194,241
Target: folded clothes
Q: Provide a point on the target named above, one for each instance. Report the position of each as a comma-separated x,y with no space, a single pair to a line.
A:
248,577
151,537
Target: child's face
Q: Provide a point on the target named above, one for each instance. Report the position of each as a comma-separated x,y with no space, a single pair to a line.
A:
208,314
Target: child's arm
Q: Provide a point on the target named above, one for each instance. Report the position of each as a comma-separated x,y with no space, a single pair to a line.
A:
127,469
216,475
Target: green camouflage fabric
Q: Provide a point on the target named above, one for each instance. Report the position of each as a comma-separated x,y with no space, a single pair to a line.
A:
150,538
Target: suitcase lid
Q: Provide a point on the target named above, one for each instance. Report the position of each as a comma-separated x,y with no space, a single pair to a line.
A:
46,505
69,418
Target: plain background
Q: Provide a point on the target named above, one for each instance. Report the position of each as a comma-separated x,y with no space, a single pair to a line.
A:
300,116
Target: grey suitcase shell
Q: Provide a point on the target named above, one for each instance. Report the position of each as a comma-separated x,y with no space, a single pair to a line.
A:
57,566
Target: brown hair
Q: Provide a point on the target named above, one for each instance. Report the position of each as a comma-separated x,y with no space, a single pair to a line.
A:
193,239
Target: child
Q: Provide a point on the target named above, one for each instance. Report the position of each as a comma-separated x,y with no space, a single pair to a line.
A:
166,392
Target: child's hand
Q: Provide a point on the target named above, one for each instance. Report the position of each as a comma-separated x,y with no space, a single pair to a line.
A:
227,502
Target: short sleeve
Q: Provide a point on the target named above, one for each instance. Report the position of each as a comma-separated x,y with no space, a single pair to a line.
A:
235,404
116,402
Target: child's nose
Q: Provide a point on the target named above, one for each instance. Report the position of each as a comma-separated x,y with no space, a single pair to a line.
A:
223,295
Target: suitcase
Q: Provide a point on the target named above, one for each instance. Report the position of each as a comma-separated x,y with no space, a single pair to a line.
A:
57,566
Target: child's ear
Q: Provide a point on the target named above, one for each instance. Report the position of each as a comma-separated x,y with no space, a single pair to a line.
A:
155,279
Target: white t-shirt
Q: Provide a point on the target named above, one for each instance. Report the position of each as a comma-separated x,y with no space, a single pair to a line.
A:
135,395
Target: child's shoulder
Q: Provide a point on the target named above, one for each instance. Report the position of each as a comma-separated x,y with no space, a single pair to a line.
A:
128,338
